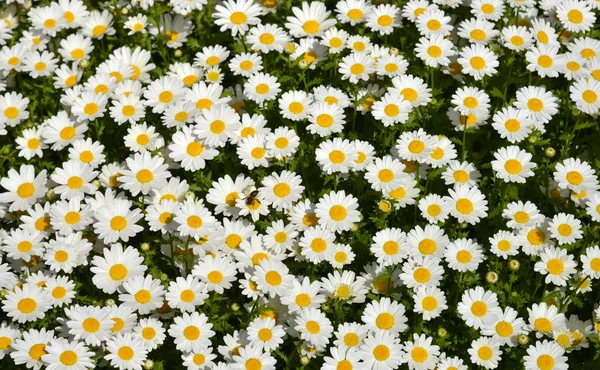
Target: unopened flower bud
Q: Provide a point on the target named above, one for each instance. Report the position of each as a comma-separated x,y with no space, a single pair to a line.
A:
148,364
190,195
235,307
178,53
303,64
385,205
532,139
51,195
514,265
550,152
109,302
164,277
304,360
290,48
97,183
523,339
84,63
145,247
491,277
394,51
326,307
124,11
442,332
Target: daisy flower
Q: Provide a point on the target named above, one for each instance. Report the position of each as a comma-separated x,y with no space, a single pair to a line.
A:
355,67
478,61
144,172
144,294
430,301
310,20
262,87
27,303
504,243
485,352
313,326
391,109
216,272
574,174
545,355
191,332
464,255
467,204
557,265
513,164
24,188
435,50
237,15
64,354
326,119
264,333
126,351
479,308
338,211
545,319
385,315
576,16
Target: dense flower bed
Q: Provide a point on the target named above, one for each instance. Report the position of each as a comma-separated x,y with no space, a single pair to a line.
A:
258,185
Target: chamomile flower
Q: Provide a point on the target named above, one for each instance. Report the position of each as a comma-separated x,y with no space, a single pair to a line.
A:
335,39
262,87
151,331
512,124
190,151
433,208
311,20
575,15
574,174
478,61
415,145
565,228
27,303
353,11
338,211
383,19
464,255
237,15
435,50
586,95
433,21
144,294
556,264
65,354
545,355
504,244
246,64
144,173
513,164
216,272
539,103
267,37
295,105
421,271
430,301
516,38
391,109
477,31
544,319
385,315
389,246
326,119
24,188
485,352
313,326
356,67
479,308
467,204
272,277
264,333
